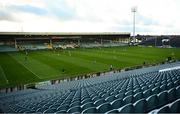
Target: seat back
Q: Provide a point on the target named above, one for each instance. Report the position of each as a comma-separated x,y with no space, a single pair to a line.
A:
140,106
90,110
128,108
152,102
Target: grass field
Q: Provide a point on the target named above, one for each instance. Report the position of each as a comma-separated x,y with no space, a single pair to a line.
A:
46,65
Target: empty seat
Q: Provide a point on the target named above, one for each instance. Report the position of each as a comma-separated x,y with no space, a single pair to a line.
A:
122,91
120,95
41,109
176,83
76,103
175,107
52,110
128,99
103,108
86,100
152,102
114,93
61,111
87,105
63,107
110,98
178,91
163,87
155,90
169,85
74,109
128,108
144,88
99,102
151,86
138,96
147,93
172,94
117,103
164,109
163,98
130,92
140,106
90,110
95,98
137,90
112,111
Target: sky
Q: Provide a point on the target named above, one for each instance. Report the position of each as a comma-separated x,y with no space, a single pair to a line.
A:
152,17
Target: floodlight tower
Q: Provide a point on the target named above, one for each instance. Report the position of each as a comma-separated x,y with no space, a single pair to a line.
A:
134,10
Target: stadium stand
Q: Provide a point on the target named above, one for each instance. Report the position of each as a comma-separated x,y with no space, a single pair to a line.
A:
137,91
6,48
174,41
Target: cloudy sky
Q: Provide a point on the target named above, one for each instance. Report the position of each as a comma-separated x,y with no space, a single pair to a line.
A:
152,17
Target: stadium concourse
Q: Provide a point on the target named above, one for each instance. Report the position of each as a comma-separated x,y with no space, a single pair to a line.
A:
154,89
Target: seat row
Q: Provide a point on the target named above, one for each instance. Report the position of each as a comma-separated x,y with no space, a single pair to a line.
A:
169,108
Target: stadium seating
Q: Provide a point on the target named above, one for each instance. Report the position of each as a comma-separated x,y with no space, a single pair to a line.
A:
137,91
174,42
7,48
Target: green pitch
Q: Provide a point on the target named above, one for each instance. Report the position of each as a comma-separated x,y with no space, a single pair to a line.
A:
16,69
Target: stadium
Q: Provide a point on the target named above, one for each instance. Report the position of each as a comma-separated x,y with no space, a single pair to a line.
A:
62,61
86,73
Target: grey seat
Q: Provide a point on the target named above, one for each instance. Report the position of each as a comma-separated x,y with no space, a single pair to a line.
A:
120,95
61,111
140,106
122,91
147,93
117,103
155,90
55,106
152,102
104,107
174,107
128,108
52,110
86,100
90,110
114,93
99,102
137,90
163,87
76,103
112,111
151,86
138,96
63,107
74,109
128,99
42,109
130,92
30,111
169,85
95,98
176,83
178,91
162,98
87,105
110,98
144,88
164,109
172,94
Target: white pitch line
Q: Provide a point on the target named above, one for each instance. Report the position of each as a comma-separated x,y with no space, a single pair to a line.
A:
4,75
25,66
